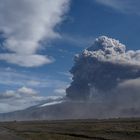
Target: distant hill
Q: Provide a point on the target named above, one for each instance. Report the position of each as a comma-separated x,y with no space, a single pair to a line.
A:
68,110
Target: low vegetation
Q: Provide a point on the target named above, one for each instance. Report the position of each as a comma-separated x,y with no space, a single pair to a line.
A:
119,129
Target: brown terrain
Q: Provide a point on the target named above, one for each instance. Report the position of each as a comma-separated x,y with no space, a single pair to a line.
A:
116,129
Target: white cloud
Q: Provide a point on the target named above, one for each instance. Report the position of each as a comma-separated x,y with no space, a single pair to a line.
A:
9,77
24,97
21,98
32,60
19,93
27,91
24,24
8,94
60,91
124,6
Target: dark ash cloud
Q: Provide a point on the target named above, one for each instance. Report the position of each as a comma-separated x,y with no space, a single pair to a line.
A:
101,68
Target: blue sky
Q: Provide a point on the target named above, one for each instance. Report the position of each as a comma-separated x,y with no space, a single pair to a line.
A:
71,30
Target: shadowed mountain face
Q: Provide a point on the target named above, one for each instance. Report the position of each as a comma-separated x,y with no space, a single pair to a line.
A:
106,84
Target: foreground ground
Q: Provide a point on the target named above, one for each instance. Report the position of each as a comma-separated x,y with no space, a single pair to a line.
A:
120,129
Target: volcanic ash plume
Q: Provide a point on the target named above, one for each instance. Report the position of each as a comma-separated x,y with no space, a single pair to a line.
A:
103,69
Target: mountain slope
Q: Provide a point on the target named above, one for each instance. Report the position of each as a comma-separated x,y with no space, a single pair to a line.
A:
68,110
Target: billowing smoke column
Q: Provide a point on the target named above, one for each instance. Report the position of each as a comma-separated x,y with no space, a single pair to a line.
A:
101,68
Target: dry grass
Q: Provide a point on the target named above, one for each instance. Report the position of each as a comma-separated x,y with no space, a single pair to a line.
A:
126,129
